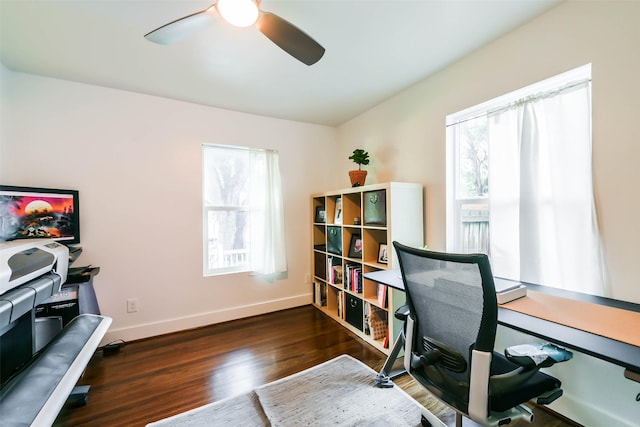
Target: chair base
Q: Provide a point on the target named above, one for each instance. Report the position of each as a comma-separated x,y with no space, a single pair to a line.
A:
384,377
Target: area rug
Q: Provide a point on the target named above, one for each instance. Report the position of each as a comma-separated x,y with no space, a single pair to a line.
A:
339,392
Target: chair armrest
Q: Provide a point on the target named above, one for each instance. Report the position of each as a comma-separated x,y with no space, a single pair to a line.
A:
537,356
402,313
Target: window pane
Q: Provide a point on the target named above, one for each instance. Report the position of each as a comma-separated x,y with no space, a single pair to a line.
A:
228,240
474,217
473,178
226,177
472,228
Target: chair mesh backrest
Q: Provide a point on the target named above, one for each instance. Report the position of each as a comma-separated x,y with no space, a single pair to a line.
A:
446,295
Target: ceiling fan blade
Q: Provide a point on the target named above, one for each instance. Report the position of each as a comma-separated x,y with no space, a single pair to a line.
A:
181,28
290,38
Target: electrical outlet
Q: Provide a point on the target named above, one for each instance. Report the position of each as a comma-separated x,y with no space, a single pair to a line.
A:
132,305
307,278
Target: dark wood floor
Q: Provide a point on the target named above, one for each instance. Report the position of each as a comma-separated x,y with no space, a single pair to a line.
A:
162,376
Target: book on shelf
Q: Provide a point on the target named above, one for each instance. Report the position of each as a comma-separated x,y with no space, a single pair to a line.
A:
367,330
353,277
382,295
341,301
347,276
337,274
378,323
320,294
334,272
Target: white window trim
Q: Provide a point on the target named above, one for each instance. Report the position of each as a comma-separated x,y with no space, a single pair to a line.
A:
266,246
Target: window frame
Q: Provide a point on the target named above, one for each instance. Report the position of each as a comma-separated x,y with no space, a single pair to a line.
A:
452,216
207,209
542,221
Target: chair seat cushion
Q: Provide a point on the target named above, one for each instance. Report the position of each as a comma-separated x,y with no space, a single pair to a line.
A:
538,384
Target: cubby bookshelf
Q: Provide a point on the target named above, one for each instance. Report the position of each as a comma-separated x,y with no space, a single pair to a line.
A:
349,227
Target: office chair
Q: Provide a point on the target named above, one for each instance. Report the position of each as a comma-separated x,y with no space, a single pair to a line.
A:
450,336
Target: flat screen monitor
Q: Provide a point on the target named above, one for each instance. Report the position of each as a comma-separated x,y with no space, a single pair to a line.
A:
37,213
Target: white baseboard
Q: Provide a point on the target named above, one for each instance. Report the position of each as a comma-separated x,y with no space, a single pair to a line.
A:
147,330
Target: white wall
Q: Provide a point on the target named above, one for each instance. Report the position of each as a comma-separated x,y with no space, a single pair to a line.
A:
136,160
406,137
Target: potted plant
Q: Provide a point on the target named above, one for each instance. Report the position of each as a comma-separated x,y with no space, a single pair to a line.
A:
360,157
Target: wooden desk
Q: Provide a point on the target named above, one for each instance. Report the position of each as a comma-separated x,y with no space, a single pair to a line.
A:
617,344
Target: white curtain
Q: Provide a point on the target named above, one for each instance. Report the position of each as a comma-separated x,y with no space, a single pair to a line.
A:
542,213
268,251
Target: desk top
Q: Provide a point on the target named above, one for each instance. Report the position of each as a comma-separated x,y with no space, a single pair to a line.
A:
603,331
610,322
392,277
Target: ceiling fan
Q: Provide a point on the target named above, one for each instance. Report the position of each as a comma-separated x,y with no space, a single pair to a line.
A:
244,13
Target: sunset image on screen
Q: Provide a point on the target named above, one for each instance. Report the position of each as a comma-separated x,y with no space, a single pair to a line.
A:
36,216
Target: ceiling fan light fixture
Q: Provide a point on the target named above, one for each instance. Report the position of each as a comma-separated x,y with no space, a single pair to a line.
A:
240,13
243,13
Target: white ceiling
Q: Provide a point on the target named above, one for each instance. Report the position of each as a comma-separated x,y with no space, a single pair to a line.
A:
374,49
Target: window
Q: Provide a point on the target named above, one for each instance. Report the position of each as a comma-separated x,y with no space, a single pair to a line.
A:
519,184
242,211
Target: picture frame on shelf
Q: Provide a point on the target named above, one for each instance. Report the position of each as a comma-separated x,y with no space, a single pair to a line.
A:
337,217
383,254
321,214
355,247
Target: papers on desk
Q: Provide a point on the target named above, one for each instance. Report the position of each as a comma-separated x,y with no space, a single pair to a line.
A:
507,290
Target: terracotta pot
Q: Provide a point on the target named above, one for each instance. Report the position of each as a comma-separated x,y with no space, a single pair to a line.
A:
357,177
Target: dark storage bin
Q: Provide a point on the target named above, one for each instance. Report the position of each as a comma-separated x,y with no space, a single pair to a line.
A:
375,207
334,240
320,265
354,311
